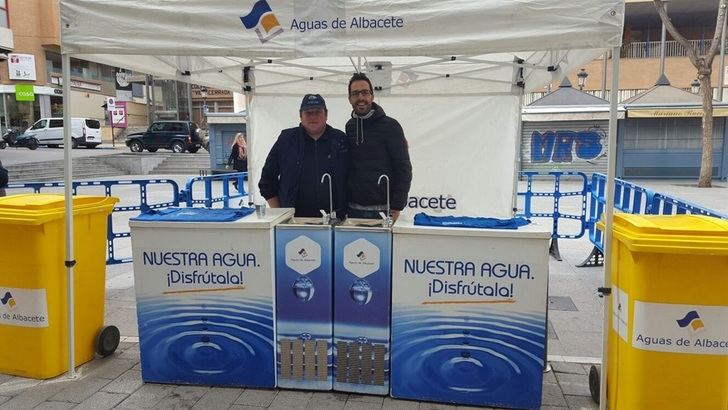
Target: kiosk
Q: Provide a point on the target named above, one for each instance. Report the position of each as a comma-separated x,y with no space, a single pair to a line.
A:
469,314
205,299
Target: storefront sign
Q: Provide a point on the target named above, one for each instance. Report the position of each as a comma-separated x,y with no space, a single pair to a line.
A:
676,113
24,92
77,84
21,67
118,114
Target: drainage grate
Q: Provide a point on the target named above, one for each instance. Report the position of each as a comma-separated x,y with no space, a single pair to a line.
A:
563,303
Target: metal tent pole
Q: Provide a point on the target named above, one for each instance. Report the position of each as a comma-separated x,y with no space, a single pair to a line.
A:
609,216
68,188
247,91
721,74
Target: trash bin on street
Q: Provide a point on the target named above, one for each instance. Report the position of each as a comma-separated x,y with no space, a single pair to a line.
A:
33,283
668,331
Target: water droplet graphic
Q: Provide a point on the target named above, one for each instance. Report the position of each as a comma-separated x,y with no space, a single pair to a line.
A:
361,292
362,340
305,336
205,339
303,289
465,355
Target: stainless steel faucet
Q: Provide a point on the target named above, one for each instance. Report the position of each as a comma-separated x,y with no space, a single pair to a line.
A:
387,218
332,214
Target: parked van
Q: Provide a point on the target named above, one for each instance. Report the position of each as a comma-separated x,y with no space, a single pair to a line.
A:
49,131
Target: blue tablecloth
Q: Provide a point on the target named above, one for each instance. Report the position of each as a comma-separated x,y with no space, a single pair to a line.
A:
194,215
423,219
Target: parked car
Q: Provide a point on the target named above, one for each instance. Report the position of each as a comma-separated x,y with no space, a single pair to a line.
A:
178,136
49,131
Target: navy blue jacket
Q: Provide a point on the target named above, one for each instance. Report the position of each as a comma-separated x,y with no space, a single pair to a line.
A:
281,173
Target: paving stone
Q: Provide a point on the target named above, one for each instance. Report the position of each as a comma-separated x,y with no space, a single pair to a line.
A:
256,397
80,390
366,398
147,396
361,405
218,398
436,406
127,383
573,384
563,367
107,368
474,408
55,405
183,397
581,403
553,408
131,353
101,400
561,303
327,400
552,396
240,407
394,404
35,395
549,377
5,377
291,399
3,399
16,385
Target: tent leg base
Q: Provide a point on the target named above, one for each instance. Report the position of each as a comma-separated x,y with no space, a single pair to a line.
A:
595,258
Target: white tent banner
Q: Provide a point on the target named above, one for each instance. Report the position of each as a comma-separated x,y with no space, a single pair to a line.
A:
463,162
289,28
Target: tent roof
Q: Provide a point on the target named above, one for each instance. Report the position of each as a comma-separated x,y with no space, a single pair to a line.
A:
567,95
661,94
210,42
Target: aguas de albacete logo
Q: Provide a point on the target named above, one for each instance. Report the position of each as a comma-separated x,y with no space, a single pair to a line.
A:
262,19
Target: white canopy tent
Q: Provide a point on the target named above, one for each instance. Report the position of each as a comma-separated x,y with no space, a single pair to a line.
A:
452,73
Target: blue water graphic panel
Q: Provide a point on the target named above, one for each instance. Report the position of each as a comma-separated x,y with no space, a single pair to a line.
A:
304,280
225,340
484,357
362,289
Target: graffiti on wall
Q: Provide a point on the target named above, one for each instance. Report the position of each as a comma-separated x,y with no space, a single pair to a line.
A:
565,146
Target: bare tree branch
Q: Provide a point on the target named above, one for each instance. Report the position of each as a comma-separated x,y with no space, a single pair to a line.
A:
692,53
715,45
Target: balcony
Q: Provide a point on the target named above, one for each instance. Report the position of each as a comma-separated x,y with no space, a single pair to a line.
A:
651,49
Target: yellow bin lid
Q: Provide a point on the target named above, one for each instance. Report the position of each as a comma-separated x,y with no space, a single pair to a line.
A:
37,209
693,234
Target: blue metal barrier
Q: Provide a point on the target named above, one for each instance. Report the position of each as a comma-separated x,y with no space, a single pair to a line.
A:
210,197
143,185
633,199
667,205
556,215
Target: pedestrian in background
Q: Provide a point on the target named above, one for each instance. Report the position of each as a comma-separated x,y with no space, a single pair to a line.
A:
238,158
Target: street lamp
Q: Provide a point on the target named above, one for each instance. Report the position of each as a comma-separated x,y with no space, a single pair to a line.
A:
203,94
581,78
695,86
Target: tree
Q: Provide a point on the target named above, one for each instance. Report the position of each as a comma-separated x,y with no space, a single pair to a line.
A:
704,65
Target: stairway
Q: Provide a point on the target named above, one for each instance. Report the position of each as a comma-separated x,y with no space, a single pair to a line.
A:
185,164
83,168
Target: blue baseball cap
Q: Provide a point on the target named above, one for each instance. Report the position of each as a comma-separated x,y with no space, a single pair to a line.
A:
311,101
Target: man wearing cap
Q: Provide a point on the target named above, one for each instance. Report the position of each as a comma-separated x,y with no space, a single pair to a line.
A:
293,171
377,146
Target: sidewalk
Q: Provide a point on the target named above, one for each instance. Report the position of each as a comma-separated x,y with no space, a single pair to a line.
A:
574,343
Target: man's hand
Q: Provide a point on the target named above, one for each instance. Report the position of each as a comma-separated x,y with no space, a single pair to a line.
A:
273,202
394,214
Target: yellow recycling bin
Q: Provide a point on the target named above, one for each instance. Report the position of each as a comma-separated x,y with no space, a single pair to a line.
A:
33,292
668,331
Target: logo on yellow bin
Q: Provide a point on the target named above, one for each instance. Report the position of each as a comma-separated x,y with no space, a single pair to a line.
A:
262,19
692,321
8,301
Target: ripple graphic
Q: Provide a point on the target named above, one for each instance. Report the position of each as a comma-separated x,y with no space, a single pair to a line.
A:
468,356
225,340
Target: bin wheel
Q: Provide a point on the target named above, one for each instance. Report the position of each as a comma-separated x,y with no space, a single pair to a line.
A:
594,380
107,340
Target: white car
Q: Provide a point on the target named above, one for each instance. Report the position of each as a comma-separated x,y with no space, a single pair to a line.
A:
49,131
